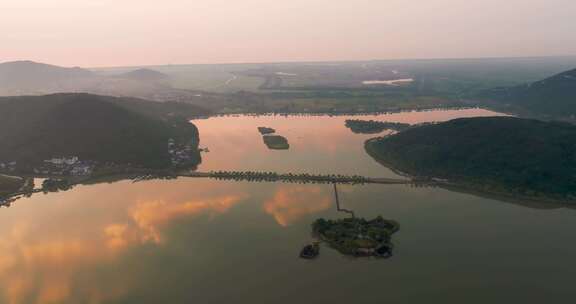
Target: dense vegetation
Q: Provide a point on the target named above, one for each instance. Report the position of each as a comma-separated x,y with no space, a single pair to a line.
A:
497,154
266,130
276,142
372,126
357,236
91,127
554,96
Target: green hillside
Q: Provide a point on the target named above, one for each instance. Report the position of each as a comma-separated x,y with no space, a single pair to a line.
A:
501,154
99,128
554,96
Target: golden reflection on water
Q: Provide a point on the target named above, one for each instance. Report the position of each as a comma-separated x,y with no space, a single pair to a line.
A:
317,143
68,247
65,234
291,202
43,250
148,217
38,268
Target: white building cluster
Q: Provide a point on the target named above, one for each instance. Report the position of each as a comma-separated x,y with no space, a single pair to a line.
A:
179,154
63,161
65,166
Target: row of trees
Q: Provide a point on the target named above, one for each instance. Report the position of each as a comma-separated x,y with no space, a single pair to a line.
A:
289,177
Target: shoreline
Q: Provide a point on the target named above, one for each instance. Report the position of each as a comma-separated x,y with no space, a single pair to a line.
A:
357,113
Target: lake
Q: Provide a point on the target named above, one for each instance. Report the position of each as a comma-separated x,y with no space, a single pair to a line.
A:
195,240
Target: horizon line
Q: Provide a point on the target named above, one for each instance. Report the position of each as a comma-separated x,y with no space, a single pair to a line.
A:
296,61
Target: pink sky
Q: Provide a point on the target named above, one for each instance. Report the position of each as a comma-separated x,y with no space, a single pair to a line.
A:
139,32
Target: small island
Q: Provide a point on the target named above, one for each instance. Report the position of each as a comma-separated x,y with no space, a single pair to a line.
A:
356,236
373,127
310,251
276,142
266,130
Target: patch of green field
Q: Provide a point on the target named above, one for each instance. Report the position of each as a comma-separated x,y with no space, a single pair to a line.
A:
10,184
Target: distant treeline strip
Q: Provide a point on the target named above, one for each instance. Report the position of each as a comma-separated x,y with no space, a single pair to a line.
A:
372,126
303,178
342,113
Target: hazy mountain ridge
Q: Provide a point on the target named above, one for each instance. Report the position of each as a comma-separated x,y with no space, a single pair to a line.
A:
144,74
19,77
554,96
32,78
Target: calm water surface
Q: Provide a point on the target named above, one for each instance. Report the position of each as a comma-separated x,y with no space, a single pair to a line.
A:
206,241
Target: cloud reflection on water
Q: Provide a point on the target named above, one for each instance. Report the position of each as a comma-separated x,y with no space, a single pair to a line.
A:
45,259
292,202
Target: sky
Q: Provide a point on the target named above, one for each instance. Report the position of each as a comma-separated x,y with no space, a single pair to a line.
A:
94,33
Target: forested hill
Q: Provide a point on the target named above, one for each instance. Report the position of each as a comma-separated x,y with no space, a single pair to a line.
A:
99,128
501,154
554,96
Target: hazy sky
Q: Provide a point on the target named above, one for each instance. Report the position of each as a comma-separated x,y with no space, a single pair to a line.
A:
133,32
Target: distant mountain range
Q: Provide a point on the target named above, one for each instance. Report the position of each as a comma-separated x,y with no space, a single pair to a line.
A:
32,78
493,154
554,96
144,75
91,127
